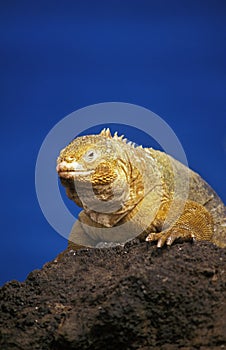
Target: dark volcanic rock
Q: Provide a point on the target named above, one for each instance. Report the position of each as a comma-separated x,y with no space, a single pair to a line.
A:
136,297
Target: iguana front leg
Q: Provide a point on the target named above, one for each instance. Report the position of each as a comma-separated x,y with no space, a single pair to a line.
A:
195,222
79,238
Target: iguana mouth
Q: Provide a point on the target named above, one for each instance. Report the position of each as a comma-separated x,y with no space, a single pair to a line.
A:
73,173
68,170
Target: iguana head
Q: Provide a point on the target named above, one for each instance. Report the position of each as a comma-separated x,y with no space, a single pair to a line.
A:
91,158
97,166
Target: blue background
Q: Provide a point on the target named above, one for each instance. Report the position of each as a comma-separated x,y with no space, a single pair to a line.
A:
56,57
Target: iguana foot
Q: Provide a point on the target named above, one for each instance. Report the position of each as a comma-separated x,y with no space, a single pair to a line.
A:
195,222
169,236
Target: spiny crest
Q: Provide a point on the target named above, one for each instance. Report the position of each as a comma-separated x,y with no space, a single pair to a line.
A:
107,133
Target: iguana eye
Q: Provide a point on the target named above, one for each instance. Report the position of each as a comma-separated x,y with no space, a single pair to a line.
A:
90,156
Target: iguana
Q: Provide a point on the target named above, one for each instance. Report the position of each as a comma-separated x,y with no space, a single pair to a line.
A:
127,191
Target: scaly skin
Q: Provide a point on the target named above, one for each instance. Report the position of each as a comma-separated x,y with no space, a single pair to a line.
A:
129,191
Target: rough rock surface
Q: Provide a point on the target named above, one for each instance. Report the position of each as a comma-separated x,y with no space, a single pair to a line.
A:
136,297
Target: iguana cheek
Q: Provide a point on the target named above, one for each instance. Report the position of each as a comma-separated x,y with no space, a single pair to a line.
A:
104,174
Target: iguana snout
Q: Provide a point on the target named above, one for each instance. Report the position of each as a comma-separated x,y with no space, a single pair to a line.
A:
72,170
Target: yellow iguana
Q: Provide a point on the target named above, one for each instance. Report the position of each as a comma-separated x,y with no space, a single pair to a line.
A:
129,191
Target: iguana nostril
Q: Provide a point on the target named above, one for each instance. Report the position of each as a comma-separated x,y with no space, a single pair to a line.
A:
69,159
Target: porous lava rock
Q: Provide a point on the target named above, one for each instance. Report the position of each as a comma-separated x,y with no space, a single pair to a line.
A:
132,297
